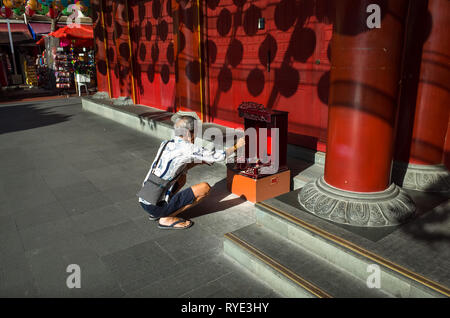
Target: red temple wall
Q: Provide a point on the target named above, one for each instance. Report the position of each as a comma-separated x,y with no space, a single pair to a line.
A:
166,69
295,40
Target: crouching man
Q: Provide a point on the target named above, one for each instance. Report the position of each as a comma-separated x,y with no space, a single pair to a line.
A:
176,159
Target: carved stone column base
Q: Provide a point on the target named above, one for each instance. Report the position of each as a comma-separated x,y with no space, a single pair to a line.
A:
435,178
390,207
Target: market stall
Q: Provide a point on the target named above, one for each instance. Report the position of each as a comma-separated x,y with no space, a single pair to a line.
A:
72,57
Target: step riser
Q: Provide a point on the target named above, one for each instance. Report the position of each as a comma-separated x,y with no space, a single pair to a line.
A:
267,274
392,283
142,125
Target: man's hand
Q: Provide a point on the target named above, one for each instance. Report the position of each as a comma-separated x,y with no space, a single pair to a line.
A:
240,143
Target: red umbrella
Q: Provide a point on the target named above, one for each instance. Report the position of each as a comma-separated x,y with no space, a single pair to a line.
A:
73,32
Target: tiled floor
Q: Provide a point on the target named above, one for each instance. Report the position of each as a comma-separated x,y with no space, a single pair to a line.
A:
68,180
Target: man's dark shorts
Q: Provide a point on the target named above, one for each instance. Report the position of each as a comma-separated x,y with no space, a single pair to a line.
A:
164,209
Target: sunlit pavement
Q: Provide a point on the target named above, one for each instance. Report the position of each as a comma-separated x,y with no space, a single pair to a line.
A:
68,183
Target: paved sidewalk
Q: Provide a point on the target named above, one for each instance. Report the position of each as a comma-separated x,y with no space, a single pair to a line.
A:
68,180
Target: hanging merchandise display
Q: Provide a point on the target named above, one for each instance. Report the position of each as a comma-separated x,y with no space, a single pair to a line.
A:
30,71
43,73
63,69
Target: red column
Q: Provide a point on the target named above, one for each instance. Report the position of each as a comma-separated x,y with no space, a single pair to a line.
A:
432,108
364,85
423,123
101,58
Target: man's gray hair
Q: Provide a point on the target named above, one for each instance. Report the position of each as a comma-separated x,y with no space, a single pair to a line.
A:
184,125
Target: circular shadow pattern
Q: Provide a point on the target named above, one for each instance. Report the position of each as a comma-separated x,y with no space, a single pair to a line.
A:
118,29
181,42
124,51
269,45
124,72
151,73
101,66
212,51
235,53
285,14
251,17
156,8
225,79
137,73
212,4
224,22
111,55
148,31
323,88
303,44
130,15
165,73
189,17
237,19
193,71
155,52
239,3
170,54
169,7
162,30
98,33
95,16
287,80
135,33
141,9
255,82
109,19
142,52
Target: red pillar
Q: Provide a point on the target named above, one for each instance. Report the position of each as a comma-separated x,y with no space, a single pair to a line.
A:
363,96
422,131
432,110
364,87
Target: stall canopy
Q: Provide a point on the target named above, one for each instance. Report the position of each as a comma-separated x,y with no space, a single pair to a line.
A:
82,34
19,32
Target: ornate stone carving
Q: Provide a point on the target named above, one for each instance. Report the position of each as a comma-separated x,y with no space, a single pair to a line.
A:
434,178
390,207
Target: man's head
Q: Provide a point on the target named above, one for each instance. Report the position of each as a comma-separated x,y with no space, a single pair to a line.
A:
184,128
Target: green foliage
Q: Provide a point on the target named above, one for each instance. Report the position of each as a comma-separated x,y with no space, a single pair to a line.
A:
19,11
43,11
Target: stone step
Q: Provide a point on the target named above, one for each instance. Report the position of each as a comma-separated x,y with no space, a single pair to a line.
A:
290,269
316,236
303,172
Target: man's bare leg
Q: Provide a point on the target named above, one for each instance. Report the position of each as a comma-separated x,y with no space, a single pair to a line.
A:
200,191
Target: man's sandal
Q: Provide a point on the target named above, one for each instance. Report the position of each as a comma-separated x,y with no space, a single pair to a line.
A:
172,226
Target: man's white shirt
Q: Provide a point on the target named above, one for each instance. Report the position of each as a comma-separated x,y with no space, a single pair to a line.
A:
175,158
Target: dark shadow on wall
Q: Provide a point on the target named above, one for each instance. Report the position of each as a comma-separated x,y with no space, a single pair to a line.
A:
27,116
